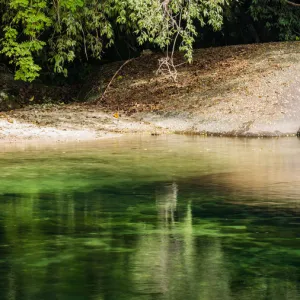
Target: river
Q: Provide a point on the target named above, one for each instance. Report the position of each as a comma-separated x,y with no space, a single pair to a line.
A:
161,217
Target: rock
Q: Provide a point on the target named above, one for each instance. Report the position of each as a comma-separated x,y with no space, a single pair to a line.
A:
8,101
9,89
146,52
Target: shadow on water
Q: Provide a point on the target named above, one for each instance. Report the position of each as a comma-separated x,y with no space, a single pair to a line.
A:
164,218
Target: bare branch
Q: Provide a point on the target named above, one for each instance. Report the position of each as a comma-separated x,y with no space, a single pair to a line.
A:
84,42
293,3
111,81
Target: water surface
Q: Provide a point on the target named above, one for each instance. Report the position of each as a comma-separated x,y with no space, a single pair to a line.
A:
151,218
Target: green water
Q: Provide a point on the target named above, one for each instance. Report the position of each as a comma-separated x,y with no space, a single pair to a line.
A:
151,218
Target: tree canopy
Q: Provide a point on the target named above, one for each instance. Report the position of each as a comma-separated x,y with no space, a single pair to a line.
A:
42,32
50,35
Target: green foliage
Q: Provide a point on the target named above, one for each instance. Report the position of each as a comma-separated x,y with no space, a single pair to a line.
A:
49,36
278,15
162,24
40,34
30,17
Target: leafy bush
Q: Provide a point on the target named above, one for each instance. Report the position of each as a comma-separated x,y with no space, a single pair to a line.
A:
40,34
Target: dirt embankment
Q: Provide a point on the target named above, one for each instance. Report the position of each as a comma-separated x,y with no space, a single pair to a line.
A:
251,90
236,90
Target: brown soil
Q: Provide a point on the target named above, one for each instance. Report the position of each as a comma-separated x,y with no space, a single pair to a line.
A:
251,90
237,90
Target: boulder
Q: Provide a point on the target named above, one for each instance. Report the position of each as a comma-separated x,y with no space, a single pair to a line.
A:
7,101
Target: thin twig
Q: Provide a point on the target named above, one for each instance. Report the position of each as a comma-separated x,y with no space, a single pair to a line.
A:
56,8
84,42
177,35
293,3
183,63
112,79
166,64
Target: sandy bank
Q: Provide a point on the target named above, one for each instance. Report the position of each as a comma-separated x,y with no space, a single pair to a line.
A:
66,123
14,131
251,90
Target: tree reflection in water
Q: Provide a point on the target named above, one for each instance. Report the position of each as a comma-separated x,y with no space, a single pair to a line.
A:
168,263
92,225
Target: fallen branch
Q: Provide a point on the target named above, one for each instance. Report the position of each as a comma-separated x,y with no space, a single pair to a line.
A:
167,67
112,79
293,3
